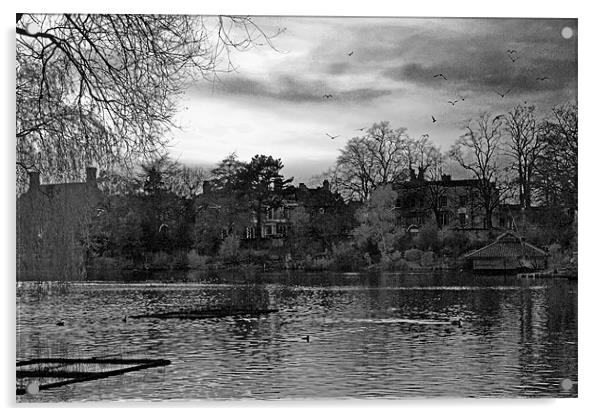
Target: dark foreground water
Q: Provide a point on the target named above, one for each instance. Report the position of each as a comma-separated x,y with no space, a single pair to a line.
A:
371,336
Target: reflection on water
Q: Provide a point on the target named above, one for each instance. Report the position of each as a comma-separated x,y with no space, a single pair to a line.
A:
335,336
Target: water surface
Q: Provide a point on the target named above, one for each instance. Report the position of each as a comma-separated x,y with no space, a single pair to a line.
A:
370,336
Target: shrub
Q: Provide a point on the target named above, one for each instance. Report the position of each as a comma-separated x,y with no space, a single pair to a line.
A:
455,243
229,248
413,255
345,257
195,261
427,259
179,259
160,260
428,237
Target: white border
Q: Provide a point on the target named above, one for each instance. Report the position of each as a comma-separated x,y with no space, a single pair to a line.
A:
589,148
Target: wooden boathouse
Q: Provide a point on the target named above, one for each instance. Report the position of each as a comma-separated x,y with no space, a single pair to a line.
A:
509,252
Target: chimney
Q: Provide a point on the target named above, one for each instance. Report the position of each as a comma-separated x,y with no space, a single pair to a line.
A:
91,175
446,178
326,185
302,186
34,180
206,187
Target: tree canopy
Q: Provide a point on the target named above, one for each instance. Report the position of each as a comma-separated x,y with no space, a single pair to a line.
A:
103,89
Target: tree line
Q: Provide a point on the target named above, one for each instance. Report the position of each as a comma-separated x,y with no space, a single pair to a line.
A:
515,157
170,207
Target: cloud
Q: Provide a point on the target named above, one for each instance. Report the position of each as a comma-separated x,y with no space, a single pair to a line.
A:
290,88
490,72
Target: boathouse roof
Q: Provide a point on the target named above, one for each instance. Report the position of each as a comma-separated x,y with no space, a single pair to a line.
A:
507,245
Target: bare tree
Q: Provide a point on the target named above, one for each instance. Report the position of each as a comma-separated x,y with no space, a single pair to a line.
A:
478,151
104,88
557,168
372,160
422,154
188,181
524,147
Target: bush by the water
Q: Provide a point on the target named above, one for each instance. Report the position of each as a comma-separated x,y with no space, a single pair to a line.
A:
346,257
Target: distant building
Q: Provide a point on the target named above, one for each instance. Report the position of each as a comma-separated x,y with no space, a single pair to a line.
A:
315,201
276,218
451,203
52,227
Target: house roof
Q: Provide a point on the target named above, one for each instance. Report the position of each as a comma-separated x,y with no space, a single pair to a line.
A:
507,245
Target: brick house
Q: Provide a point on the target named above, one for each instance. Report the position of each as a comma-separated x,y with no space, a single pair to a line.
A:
451,203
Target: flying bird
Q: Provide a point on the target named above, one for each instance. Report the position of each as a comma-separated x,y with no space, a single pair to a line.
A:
350,53
327,96
513,55
541,78
332,137
434,120
440,75
453,102
463,98
504,94
362,129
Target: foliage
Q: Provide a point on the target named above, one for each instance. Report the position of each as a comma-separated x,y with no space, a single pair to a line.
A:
455,242
377,221
413,255
346,257
229,248
428,237
297,238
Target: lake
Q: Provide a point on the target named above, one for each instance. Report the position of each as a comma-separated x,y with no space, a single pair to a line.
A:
370,336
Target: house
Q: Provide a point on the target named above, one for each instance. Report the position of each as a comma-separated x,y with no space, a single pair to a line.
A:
319,202
509,252
52,228
451,203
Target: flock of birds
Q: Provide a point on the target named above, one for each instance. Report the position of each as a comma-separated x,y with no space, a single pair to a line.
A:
512,54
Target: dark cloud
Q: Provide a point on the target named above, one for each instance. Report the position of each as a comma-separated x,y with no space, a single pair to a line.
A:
363,94
338,68
294,89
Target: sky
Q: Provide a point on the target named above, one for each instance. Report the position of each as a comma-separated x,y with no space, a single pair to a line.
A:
375,69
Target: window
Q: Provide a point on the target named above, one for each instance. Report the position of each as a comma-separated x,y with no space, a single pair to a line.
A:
443,201
463,200
443,218
270,214
250,232
280,229
462,219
